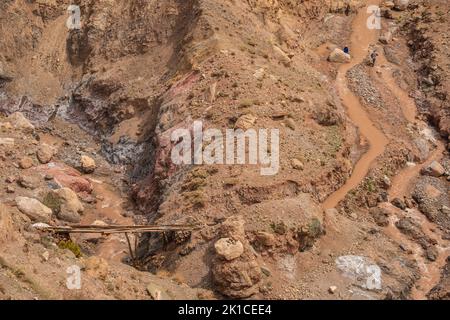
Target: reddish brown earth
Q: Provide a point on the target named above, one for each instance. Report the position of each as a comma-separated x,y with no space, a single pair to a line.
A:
356,143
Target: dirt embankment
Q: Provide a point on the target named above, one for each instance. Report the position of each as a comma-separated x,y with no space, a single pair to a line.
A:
427,28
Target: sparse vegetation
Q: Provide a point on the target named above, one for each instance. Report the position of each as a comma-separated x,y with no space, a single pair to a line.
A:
71,246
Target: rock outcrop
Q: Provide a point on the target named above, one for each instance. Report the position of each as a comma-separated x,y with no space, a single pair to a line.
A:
236,271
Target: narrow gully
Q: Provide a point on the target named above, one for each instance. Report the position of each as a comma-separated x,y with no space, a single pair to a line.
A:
361,38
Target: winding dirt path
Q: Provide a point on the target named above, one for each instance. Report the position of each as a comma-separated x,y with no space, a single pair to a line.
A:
360,40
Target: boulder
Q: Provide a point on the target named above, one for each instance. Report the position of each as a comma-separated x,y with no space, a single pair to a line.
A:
380,215
70,200
87,164
18,121
362,271
435,169
235,278
45,153
229,249
238,278
34,209
66,176
69,216
68,207
339,56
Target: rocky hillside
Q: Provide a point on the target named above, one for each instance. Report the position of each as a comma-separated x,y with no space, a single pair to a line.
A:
97,107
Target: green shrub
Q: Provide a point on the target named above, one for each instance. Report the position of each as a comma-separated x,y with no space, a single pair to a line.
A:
72,246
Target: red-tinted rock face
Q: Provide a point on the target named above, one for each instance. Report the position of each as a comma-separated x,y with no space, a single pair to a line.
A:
66,176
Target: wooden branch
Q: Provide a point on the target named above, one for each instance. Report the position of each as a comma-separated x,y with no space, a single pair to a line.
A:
120,229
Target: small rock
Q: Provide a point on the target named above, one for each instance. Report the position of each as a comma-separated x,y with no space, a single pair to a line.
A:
45,255
380,215
339,56
10,179
26,163
266,239
281,55
34,209
386,37
99,223
40,226
265,271
18,121
435,169
383,197
27,182
389,4
229,249
259,74
87,164
432,253
445,210
386,181
6,126
10,189
409,203
403,247
401,5
399,203
290,123
246,121
156,293
297,164
332,289
296,98
69,216
87,198
45,153
6,141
